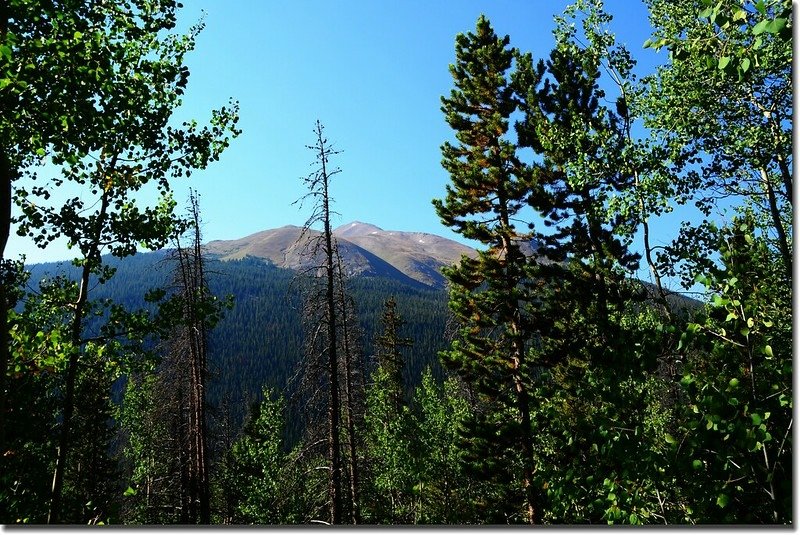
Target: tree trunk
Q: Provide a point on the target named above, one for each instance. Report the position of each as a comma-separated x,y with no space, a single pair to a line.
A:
786,175
5,230
512,256
199,364
334,404
54,514
192,343
351,437
350,401
783,243
185,460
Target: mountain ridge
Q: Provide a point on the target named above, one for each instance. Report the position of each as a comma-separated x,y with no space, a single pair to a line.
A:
366,250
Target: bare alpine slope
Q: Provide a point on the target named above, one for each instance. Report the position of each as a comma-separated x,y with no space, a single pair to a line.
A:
366,249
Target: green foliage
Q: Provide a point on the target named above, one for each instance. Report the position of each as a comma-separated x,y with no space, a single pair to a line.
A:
91,484
389,439
730,137
606,414
416,474
38,355
490,185
112,144
259,459
730,65
443,488
735,430
387,428
577,398
733,35
261,480
146,437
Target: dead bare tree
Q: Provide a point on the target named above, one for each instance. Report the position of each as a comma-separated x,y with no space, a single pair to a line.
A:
353,383
189,343
321,322
332,384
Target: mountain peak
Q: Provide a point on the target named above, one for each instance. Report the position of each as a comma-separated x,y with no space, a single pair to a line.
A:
356,228
365,248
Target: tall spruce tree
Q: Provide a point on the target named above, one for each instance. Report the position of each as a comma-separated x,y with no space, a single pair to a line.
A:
387,427
489,187
390,358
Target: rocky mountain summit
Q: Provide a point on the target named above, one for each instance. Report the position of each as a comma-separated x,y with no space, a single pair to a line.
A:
367,250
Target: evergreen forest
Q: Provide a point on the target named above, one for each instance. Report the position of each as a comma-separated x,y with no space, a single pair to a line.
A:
600,377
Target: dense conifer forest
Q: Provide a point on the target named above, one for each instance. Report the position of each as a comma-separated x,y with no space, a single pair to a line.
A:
259,338
148,383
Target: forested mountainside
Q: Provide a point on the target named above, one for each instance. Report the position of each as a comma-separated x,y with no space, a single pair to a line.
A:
259,340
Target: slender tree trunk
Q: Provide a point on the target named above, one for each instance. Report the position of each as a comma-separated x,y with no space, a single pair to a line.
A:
5,230
199,361
54,514
786,175
6,179
325,317
648,256
185,459
513,256
349,355
334,478
648,249
644,216
334,404
5,341
183,350
351,438
194,345
775,120
783,243
6,174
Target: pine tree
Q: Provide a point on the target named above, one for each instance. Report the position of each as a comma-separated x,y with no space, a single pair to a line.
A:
390,358
488,295
388,431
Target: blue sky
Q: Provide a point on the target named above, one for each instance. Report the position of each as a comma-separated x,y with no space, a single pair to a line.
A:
371,71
